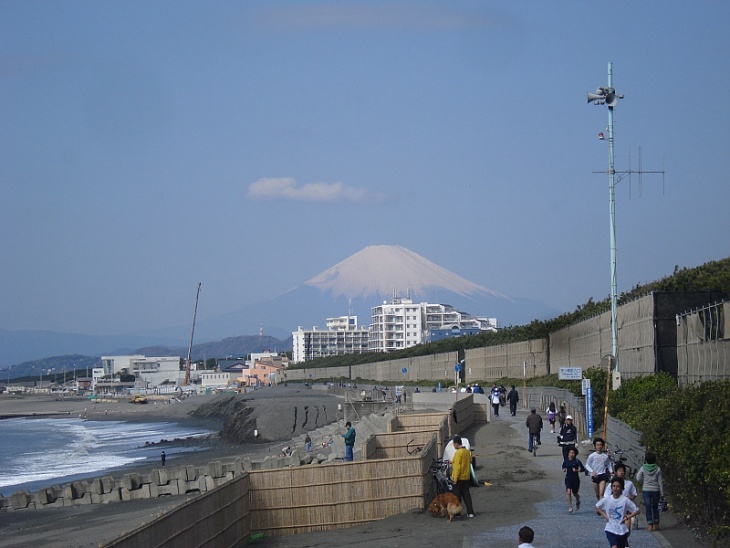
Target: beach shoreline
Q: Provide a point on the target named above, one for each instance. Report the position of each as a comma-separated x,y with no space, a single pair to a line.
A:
515,485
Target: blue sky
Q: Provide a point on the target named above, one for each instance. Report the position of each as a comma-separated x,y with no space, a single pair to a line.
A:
147,146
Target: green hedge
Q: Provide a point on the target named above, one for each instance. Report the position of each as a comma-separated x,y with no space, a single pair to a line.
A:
689,430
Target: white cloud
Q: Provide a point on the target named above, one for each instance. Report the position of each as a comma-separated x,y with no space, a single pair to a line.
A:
286,188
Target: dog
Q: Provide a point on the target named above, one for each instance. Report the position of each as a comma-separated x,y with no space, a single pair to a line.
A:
445,504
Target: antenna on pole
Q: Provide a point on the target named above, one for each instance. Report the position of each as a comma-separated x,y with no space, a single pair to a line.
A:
606,95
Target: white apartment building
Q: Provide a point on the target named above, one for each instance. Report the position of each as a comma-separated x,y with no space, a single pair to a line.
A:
343,336
401,323
396,325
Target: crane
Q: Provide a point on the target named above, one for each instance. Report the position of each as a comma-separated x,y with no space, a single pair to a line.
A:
192,333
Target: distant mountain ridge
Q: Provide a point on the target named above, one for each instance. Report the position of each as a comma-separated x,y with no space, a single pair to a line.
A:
237,347
351,287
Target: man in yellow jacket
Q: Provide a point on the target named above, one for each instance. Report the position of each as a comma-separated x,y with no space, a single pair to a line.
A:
461,474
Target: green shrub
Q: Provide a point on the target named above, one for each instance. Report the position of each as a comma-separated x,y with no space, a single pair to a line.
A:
689,430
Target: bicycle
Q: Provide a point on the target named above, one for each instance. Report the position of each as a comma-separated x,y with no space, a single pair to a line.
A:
440,480
617,456
535,443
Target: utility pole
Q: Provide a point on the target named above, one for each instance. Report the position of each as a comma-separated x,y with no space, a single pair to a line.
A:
606,95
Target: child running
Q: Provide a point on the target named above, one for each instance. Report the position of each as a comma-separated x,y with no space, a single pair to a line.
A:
572,468
617,510
599,467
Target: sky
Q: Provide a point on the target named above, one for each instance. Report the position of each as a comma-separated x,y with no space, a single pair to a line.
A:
146,146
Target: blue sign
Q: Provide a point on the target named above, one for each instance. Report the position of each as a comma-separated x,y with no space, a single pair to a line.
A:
457,367
589,411
404,370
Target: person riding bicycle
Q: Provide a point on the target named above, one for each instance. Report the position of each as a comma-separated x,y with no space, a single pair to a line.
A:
534,425
567,436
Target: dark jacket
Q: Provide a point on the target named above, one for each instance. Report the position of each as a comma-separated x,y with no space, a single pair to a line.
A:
513,396
534,423
350,436
568,434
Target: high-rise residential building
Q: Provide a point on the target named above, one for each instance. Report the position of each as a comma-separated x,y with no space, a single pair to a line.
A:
401,323
343,336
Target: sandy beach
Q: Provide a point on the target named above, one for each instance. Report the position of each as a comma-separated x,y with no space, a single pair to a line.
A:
518,483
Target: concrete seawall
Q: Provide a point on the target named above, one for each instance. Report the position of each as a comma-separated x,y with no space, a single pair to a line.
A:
189,480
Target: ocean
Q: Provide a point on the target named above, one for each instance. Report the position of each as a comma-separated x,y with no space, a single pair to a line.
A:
40,452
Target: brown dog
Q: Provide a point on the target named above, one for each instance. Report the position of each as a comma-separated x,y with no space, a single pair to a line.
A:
446,504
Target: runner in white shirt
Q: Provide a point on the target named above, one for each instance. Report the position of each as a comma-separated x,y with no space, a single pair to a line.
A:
617,510
599,467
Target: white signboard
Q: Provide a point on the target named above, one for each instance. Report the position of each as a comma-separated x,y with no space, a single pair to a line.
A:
584,386
570,373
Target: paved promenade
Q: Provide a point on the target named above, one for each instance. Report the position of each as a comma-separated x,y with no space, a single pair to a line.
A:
554,527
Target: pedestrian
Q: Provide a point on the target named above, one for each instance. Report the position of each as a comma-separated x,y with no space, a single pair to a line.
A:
502,395
551,414
525,537
308,443
534,425
617,510
495,400
630,492
567,436
650,475
163,457
513,397
461,474
349,441
572,467
599,467
561,416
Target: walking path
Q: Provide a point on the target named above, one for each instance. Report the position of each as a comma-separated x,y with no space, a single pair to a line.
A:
554,526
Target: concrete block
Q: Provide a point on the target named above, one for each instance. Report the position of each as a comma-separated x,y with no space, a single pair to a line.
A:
209,483
191,473
215,469
164,490
42,497
195,486
79,489
229,467
20,500
143,492
103,485
85,499
246,464
160,477
103,498
132,481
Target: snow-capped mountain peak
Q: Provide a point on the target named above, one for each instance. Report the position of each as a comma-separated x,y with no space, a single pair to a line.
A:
379,270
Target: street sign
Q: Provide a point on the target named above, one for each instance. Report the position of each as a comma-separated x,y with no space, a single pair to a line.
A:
457,368
404,370
570,373
589,412
584,386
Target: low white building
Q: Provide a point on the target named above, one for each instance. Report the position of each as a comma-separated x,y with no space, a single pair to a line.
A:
218,380
149,372
343,336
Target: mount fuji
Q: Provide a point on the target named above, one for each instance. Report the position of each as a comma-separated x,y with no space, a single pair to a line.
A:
363,280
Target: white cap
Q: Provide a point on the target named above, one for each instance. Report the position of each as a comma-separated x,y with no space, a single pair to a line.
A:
569,417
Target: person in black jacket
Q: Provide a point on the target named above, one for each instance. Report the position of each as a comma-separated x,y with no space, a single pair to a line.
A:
513,397
567,436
